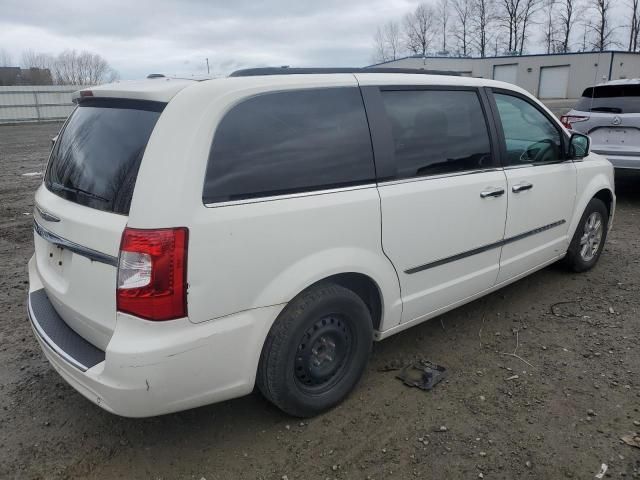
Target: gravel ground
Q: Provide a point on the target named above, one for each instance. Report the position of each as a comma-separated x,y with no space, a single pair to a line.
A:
557,412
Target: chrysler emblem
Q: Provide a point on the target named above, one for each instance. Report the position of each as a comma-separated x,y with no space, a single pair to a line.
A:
616,120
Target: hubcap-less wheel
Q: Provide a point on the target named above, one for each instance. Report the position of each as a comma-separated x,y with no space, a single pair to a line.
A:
591,237
316,350
322,353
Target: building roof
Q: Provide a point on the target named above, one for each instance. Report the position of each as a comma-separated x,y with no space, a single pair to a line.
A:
438,57
24,76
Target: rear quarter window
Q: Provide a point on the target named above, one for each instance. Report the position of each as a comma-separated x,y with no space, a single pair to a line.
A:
610,99
288,142
96,158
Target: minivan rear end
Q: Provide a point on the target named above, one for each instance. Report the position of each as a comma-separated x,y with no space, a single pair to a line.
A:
82,208
610,115
103,289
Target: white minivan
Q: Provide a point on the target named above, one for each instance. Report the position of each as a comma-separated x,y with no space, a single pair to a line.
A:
194,239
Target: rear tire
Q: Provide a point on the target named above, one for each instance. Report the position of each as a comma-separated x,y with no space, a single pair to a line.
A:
588,240
316,350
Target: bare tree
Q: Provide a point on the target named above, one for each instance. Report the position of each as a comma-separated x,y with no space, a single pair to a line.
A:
5,58
529,9
32,59
462,14
380,52
482,22
515,16
634,27
601,28
497,40
550,29
38,67
392,34
566,20
419,29
387,42
586,27
443,12
84,68
509,18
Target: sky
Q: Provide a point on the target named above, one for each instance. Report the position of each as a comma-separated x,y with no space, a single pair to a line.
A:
138,37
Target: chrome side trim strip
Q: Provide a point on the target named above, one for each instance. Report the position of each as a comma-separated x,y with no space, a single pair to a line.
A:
435,177
476,251
533,232
89,253
46,215
309,193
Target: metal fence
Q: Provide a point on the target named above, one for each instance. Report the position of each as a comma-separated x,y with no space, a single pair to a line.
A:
36,103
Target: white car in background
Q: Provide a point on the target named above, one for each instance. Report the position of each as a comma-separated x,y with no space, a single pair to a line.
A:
194,239
610,114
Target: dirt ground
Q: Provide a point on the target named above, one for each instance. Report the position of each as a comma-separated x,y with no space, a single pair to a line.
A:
577,389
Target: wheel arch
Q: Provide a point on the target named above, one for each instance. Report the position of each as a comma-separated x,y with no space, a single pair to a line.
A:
371,276
362,285
599,186
606,195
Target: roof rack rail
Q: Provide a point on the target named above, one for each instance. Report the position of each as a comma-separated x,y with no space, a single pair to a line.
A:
252,72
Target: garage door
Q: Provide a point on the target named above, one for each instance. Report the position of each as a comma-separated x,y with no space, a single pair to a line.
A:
554,82
506,73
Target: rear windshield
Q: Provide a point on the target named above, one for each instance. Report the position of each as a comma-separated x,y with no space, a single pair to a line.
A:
610,99
95,160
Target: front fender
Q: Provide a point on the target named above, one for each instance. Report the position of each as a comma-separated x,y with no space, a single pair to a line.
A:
594,175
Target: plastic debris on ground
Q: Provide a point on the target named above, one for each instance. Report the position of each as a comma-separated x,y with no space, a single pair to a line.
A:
422,374
603,470
632,440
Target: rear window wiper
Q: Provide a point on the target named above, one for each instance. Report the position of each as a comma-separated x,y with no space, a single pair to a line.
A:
60,187
607,109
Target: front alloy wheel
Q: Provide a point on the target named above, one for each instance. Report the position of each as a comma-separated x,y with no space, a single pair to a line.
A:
591,237
588,240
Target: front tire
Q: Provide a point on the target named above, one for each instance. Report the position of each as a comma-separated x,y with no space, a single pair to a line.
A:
316,350
588,240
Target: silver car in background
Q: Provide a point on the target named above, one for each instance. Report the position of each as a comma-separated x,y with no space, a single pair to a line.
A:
610,114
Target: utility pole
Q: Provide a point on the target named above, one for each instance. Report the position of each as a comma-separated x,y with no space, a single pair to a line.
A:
207,59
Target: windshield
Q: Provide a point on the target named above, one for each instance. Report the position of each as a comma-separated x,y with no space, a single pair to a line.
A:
95,160
610,99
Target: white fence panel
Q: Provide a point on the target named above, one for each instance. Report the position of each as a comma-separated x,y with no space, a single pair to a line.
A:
36,103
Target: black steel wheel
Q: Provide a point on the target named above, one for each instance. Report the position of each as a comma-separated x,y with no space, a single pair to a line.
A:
322,354
316,350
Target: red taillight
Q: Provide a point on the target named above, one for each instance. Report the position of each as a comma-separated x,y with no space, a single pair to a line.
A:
152,273
567,120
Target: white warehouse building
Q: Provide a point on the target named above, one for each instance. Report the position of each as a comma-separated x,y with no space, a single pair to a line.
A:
557,79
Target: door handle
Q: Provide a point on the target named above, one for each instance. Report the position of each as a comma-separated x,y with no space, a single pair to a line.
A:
521,187
492,192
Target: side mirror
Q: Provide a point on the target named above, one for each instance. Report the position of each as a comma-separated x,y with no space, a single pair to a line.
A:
53,140
579,145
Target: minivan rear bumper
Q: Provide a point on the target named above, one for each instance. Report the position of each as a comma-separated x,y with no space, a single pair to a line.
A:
153,368
628,161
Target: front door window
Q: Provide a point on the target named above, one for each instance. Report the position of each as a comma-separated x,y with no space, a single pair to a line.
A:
531,138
